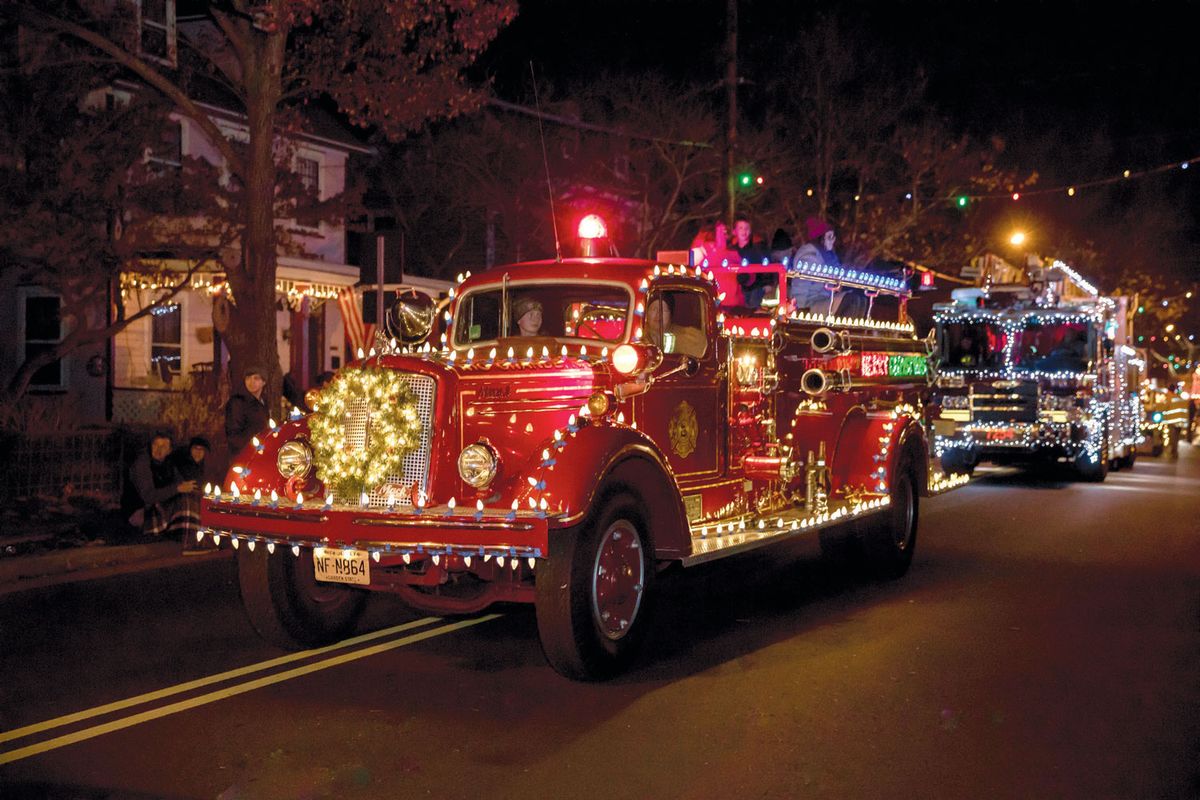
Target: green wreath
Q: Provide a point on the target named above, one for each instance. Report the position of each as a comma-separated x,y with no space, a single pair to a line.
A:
395,430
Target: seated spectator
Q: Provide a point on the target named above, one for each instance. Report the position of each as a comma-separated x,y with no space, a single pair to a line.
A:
191,462
158,500
819,250
712,244
670,337
751,252
781,247
808,294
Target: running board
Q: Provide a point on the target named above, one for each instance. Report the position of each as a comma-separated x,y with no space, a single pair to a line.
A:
718,539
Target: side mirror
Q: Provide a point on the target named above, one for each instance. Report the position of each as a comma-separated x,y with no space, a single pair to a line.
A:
411,317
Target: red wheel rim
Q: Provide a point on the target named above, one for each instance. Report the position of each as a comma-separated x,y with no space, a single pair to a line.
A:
618,579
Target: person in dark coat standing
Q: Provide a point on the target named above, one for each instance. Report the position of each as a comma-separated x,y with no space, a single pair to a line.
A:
246,412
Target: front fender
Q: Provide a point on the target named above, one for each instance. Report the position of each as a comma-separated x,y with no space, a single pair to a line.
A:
596,459
869,447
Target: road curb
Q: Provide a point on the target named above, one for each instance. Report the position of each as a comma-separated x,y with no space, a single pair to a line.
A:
82,559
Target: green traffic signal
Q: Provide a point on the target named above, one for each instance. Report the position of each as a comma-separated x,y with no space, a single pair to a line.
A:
745,178
962,201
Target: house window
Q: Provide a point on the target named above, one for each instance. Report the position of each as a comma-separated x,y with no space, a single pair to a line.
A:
309,170
42,331
167,155
156,27
166,341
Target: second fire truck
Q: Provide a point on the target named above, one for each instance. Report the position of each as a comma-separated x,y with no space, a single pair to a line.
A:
1033,367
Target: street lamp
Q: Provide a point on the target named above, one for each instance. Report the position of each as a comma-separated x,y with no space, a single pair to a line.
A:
1017,239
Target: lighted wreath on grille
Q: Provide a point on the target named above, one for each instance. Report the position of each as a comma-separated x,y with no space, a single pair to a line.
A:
394,430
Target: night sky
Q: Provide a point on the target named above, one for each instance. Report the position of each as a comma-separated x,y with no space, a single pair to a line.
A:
1078,91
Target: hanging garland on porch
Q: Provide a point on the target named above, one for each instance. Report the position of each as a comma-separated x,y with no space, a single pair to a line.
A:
393,429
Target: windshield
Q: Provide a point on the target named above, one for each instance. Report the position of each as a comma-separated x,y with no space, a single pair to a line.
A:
973,345
592,312
1058,347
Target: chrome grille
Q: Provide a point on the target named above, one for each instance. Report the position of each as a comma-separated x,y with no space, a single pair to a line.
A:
992,403
416,463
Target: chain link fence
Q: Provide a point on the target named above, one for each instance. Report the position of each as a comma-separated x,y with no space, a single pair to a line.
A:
54,465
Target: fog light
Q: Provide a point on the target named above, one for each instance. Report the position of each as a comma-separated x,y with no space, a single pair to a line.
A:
597,404
477,465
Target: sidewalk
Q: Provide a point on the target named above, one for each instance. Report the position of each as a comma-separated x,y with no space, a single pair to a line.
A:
39,553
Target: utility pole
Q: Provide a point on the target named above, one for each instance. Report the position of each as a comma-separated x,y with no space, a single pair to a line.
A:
731,81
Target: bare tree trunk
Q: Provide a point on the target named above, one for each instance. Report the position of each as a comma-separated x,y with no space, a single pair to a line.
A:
253,328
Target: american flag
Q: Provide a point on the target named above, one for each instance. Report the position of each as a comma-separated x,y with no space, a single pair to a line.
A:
358,332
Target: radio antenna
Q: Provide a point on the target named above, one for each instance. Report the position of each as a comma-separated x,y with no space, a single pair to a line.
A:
546,164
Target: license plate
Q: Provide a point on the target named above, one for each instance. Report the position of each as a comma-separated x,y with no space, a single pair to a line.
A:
335,565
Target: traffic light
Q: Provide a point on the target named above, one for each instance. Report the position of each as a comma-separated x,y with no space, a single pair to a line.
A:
748,179
927,282
962,201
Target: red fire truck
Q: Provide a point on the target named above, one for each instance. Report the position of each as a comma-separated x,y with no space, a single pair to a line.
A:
647,420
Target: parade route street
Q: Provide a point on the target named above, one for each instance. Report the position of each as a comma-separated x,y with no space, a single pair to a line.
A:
1046,643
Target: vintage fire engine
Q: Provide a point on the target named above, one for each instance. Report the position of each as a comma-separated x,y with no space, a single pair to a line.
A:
647,421
1033,367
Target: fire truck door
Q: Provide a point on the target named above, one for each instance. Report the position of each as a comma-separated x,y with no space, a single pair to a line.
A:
683,412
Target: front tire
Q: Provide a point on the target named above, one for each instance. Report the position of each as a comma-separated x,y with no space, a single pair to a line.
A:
1094,471
889,542
957,460
592,593
288,606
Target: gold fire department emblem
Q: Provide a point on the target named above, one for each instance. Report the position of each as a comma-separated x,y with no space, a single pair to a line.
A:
682,430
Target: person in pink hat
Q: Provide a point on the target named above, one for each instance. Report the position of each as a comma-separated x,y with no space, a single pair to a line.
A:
808,295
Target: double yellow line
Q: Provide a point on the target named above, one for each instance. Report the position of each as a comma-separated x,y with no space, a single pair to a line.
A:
220,694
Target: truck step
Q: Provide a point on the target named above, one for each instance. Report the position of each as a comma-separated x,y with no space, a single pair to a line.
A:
720,538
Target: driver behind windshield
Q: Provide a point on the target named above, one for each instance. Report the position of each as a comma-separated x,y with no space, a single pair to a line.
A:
670,337
528,314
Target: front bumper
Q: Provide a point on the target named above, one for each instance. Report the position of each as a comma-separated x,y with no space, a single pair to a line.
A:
986,440
431,531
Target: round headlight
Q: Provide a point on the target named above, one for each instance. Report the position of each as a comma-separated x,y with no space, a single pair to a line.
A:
477,465
625,359
294,459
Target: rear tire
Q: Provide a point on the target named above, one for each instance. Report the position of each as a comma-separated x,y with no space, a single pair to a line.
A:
889,543
593,592
288,606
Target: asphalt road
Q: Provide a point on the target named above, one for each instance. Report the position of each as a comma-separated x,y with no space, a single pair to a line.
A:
1045,644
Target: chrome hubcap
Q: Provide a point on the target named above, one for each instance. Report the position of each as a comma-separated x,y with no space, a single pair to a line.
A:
618,579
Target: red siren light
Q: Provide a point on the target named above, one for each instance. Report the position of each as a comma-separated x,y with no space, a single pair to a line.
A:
592,227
